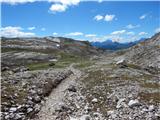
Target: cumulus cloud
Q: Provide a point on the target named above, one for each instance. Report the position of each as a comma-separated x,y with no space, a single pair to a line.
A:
109,17
13,2
31,28
62,5
157,30
14,32
130,33
90,35
130,26
143,16
105,18
118,32
58,8
74,34
143,33
98,17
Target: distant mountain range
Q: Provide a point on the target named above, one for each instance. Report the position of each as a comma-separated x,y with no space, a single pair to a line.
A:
110,45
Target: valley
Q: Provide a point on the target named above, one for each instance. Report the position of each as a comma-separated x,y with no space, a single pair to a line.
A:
56,78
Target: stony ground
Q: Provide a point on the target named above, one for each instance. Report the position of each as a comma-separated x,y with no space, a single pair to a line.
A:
103,88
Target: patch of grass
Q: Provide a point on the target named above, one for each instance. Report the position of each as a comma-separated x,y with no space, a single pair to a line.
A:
84,64
150,97
151,85
64,61
11,90
134,66
38,66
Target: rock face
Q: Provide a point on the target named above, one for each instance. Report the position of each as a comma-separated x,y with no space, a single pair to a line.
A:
147,53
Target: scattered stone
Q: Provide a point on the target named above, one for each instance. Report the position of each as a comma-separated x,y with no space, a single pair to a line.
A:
151,108
13,109
85,117
120,103
121,63
95,100
29,110
133,103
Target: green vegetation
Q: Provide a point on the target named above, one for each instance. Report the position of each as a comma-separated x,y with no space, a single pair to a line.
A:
84,64
134,66
150,97
64,60
10,90
151,85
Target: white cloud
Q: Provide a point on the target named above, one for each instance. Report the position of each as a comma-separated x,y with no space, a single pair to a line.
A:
114,38
130,33
98,17
74,34
55,33
31,28
118,32
130,26
143,16
62,5
157,30
109,17
90,35
66,2
14,32
143,33
13,2
58,8
43,29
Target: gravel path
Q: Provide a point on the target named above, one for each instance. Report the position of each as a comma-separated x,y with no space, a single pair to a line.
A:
56,97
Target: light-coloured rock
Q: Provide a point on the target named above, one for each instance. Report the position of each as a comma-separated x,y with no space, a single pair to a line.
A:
29,110
95,100
151,108
133,103
119,103
13,109
85,117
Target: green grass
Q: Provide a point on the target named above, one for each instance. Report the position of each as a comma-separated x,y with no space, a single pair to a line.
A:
151,85
134,66
153,98
84,64
64,60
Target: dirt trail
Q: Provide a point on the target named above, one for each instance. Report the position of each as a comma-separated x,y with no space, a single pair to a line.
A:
57,95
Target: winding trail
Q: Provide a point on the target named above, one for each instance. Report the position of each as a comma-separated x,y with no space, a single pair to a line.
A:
57,95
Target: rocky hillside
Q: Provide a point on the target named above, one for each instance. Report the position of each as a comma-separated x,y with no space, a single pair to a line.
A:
146,54
25,51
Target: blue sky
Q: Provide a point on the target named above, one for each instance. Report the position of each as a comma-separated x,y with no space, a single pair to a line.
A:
89,20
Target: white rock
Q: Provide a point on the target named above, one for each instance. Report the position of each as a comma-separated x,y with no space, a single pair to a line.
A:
120,61
29,110
95,100
110,112
6,117
119,103
53,60
133,103
151,108
13,109
85,117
